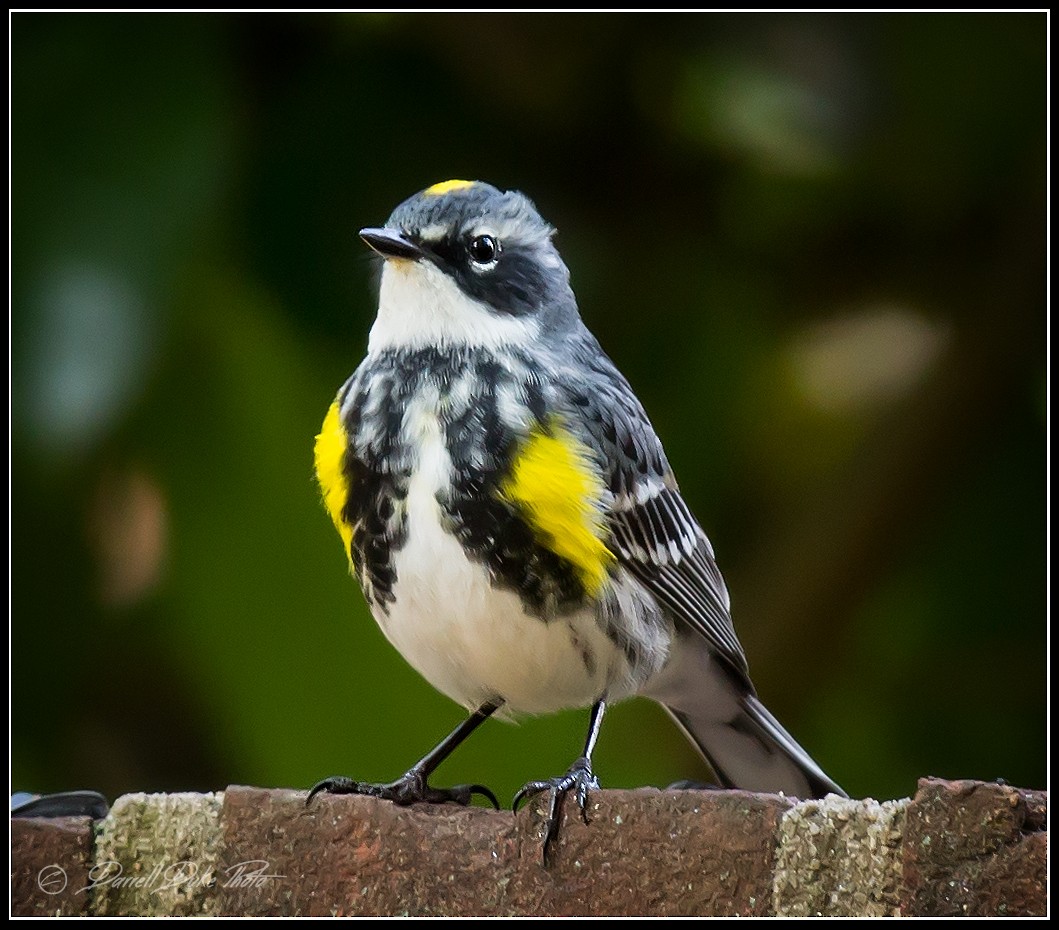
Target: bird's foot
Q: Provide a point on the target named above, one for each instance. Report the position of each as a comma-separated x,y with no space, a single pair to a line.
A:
579,779
410,788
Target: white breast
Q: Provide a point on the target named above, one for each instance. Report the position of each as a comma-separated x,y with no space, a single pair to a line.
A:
471,640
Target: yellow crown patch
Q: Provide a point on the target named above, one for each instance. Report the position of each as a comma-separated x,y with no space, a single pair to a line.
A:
444,187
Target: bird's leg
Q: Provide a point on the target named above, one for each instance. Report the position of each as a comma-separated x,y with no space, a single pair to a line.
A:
412,786
578,778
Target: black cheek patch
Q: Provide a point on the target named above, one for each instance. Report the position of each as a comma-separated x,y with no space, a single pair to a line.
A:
514,286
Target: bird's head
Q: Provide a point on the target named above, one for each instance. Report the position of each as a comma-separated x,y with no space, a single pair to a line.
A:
466,264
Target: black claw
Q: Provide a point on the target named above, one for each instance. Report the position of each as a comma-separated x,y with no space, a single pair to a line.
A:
487,794
336,784
527,791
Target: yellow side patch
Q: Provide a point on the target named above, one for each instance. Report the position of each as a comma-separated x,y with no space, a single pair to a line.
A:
330,450
443,187
555,484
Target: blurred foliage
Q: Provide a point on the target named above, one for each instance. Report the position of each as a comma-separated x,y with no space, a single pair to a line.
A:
814,243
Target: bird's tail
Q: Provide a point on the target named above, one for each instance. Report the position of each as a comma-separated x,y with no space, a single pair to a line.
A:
744,744
755,753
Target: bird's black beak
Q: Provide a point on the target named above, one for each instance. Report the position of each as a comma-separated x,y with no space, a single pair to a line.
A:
390,243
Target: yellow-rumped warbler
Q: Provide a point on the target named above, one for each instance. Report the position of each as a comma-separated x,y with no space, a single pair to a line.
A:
510,513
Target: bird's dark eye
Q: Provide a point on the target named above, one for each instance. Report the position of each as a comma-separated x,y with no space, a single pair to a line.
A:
484,250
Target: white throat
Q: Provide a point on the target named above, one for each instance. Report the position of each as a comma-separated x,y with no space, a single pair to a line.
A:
421,306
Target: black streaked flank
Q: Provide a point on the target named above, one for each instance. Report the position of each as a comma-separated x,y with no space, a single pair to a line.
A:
494,533
370,505
379,464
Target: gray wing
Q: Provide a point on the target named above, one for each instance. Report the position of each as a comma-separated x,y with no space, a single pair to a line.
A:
654,534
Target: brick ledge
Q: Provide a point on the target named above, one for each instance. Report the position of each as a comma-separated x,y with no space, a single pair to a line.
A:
956,848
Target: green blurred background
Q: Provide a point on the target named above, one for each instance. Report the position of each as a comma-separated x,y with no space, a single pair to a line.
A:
814,243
